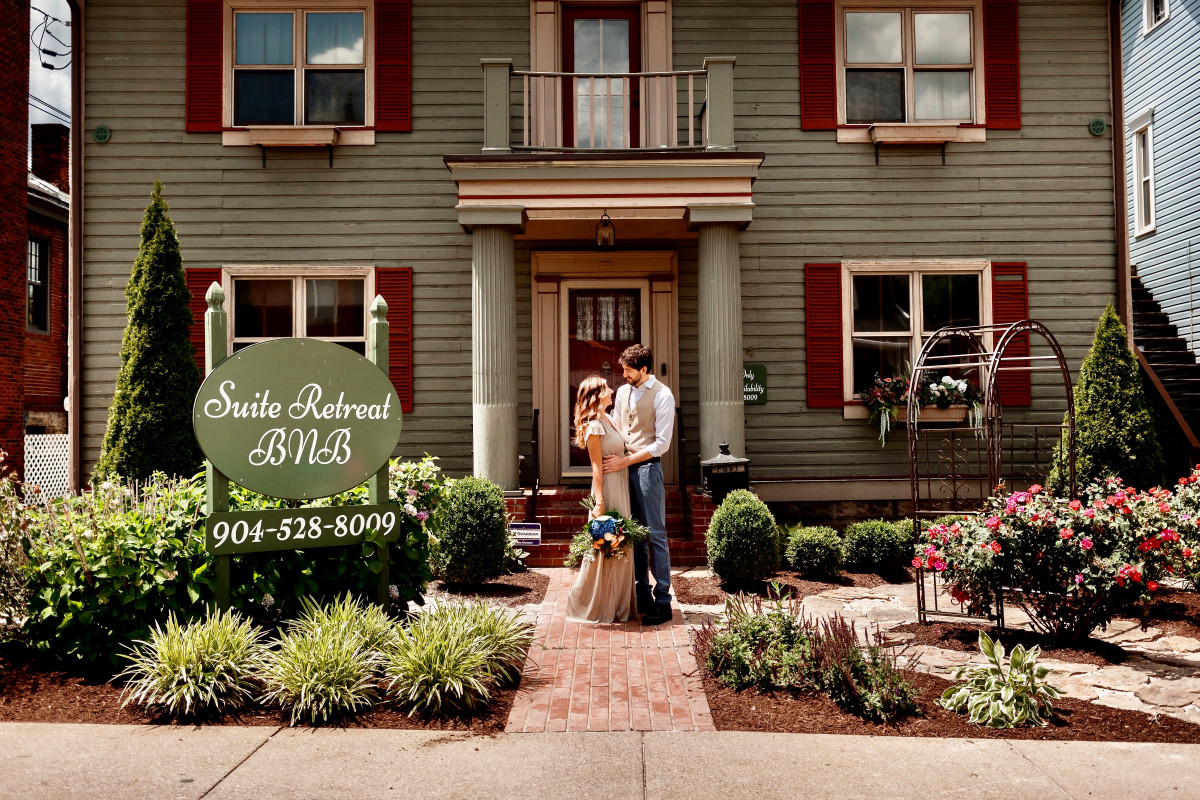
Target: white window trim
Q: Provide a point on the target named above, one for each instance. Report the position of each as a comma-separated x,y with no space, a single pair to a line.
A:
973,131
289,271
1149,24
1143,122
345,135
852,406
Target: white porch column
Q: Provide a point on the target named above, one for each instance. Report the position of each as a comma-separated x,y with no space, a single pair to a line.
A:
493,344
722,415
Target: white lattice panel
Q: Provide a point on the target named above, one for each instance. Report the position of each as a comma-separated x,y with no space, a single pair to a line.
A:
46,463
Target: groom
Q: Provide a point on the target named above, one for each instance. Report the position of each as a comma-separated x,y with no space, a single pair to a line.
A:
645,411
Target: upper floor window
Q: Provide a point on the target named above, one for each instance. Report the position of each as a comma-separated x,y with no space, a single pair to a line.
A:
37,283
301,67
1143,176
909,65
1154,12
322,305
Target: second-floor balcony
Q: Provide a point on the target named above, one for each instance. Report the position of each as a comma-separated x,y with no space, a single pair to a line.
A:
686,110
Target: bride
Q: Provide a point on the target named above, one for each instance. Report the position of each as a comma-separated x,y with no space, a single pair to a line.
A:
603,589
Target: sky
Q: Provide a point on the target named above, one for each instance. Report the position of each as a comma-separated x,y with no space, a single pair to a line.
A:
52,86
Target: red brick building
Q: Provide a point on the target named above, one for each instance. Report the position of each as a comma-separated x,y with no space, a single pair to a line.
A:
45,352
14,188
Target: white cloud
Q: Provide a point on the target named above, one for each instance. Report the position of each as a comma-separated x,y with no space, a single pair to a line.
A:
53,86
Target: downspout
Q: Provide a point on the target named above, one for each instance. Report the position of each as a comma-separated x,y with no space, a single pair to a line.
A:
1120,200
75,264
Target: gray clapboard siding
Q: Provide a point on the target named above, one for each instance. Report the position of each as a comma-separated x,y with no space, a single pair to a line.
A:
1162,69
1042,194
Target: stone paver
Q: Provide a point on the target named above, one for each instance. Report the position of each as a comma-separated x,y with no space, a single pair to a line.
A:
619,677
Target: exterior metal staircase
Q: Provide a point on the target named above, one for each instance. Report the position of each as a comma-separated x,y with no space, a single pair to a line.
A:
1168,362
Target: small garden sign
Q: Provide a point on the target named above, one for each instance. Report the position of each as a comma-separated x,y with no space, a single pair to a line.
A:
298,419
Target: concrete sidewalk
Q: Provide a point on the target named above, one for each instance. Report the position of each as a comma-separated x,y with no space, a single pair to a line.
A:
45,760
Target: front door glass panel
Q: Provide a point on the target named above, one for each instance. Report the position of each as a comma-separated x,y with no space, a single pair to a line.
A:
601,324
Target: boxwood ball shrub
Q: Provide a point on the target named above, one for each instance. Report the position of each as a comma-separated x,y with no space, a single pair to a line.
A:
815,551
472,531
875,546
742,541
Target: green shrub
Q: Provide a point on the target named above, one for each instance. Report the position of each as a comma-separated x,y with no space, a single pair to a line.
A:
369,621
875,546
451,658
742,543
150,416
472,531
1002,699
321,673
194,668
815,551
14,537
1114,424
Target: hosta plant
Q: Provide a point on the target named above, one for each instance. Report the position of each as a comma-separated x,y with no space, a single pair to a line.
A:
321,673
195,668
1002,698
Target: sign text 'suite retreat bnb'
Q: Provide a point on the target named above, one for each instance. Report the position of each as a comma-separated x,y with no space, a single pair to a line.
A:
298,419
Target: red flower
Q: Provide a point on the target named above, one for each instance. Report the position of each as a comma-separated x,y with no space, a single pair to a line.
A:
959,595
995,546
1037,487
1187,552
1066,533
1075,505
916,562
1152,586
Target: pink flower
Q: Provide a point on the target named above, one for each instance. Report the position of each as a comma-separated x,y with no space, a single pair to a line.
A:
939,565
1085,543
1066,533
916,562
1079,579
1090,513
992,523
930,550
413,493
1075,505
1037,487
422,515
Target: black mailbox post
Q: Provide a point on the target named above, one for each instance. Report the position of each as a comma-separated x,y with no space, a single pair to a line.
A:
724,473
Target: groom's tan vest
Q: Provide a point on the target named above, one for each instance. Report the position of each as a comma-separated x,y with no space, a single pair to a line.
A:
637,421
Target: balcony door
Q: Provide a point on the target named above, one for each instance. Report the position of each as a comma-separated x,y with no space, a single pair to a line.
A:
600,112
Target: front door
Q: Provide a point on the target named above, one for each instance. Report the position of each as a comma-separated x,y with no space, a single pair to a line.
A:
601,322
601,112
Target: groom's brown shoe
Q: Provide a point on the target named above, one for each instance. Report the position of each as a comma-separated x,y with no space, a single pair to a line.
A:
661,613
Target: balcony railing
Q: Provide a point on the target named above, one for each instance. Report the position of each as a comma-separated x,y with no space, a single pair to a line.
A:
584,112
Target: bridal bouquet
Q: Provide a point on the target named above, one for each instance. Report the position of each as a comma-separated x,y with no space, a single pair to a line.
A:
607,535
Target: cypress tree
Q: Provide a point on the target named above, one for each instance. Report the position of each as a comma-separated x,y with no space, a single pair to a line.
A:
150,419
1114,426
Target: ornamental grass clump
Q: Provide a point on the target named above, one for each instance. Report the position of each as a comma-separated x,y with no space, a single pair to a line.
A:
815,552
320,673
998,698
369,621
451,658
742,541
196,668
1070,565
862,679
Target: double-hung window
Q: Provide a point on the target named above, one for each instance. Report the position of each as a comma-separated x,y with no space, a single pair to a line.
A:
1143,176
894,308
1154,13
322,304
301,66
904,64
37,286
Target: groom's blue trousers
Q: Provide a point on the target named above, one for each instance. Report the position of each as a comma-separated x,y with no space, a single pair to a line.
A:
650,508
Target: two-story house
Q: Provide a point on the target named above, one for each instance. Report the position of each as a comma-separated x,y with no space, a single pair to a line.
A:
810,188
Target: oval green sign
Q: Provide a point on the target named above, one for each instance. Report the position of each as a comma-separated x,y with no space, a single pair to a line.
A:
297,418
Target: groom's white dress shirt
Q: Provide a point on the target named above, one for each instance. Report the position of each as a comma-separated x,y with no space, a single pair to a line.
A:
664,412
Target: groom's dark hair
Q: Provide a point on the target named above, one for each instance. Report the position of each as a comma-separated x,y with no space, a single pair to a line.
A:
637,356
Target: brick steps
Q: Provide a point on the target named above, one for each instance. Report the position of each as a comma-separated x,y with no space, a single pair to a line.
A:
561,516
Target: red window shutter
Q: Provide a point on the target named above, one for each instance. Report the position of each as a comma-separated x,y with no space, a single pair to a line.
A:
393,65
1010,303
823,334
818,85
395,285
1001,64
204,53
198,281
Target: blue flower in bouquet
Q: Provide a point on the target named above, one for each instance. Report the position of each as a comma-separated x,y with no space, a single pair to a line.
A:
601,526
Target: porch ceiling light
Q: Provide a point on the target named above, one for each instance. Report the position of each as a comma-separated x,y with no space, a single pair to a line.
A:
606,234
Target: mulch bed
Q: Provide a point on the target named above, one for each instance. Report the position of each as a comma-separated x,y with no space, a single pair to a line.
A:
964,638
1176,612
512,591
32,690
712,591
1075,720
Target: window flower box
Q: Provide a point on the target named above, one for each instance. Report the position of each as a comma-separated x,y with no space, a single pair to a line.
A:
294,137
913,134
955,413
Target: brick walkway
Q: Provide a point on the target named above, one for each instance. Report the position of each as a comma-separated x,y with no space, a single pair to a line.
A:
619,677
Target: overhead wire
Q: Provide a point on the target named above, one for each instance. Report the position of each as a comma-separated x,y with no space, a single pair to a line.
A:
41,30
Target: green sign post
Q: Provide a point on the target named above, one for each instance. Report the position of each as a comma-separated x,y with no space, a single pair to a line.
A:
298,419
754,384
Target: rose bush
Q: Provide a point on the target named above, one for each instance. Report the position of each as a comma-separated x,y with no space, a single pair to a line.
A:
1071,565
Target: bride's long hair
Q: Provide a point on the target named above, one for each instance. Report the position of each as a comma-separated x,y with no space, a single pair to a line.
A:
587,407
